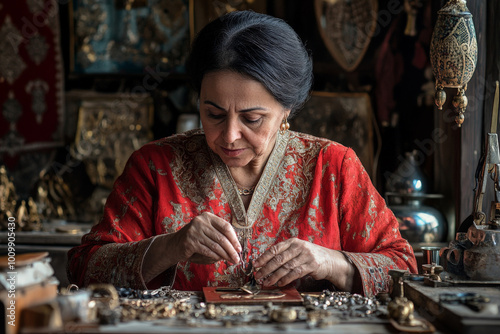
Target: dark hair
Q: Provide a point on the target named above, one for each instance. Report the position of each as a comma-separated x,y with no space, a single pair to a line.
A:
263,47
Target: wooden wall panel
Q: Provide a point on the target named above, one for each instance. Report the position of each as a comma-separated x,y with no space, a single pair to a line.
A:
472,132
458,153
491,74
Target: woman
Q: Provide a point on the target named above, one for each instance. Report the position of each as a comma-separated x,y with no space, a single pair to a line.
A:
208,206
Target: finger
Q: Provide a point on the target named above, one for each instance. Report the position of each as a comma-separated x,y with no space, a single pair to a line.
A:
209,232
296,268
287,274
272,252
289,277
228,231
275,257
220,245
204,255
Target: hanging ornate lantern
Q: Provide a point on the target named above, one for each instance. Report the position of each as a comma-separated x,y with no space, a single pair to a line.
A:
453,54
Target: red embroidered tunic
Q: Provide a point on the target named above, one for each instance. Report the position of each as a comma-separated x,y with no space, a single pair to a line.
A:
313,189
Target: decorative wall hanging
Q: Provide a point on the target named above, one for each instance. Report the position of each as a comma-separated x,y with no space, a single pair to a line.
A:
31,89
453,54
346,27
127,36
110,128
344,117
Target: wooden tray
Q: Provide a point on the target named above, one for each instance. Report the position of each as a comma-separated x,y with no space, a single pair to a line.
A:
285,295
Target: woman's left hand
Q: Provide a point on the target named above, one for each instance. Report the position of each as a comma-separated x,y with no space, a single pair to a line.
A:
294,258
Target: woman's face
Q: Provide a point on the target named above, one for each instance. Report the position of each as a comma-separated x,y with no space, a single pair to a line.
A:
240,118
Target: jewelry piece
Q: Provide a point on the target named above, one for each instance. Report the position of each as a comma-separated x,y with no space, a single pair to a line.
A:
284,126
246,191
230,296
284,314
251,287
265,295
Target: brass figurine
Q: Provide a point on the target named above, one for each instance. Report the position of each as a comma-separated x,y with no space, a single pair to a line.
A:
22,215
8,197
401,309
34,220
27,216
453,54
401,314
54,197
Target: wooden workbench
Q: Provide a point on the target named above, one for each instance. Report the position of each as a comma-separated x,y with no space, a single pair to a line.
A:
458,318
201,325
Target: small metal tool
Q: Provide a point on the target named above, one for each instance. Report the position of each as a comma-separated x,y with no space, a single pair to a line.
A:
472,300
251,287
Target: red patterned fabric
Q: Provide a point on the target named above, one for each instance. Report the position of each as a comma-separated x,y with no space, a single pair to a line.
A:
31,81
321,193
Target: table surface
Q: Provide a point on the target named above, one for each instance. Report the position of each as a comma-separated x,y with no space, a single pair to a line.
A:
173,326
54,233
337,323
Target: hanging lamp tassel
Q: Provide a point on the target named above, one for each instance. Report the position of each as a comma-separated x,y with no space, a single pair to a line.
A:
440,96
460,102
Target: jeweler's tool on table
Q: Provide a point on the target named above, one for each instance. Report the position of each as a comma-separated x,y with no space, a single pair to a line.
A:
251,287
474,301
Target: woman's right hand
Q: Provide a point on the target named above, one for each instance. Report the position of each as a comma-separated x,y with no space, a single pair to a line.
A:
207,239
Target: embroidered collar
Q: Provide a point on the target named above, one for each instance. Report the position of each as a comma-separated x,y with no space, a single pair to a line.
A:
241,217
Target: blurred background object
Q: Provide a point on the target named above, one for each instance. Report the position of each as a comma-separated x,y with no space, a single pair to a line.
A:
407,190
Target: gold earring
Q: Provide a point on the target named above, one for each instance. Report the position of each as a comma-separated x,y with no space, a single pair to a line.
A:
284,126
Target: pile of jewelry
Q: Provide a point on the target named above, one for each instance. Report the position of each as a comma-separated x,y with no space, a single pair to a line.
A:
165,292
349,305
318,310
162,303
228,315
